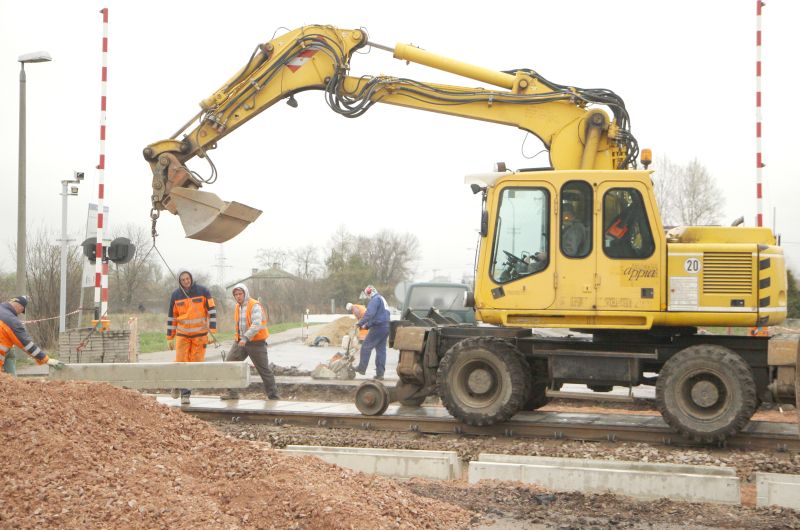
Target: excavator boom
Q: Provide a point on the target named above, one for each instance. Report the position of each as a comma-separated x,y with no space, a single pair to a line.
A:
318,58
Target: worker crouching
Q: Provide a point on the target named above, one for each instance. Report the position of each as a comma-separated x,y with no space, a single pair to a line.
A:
376,321
250,340
192,314
13,333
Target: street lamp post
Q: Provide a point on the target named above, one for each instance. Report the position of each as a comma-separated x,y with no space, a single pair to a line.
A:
35,57
66,190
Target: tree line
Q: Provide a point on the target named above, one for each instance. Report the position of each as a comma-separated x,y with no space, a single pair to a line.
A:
315,276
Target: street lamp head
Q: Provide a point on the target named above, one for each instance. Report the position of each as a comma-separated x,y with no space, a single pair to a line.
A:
35,57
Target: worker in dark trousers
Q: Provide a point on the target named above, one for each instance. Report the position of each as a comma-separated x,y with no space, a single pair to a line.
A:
250,340
376,320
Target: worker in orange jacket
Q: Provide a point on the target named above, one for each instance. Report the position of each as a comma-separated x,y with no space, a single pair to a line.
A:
192,314
358,311
13,333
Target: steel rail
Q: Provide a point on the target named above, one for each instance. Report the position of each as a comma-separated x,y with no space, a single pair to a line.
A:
757,435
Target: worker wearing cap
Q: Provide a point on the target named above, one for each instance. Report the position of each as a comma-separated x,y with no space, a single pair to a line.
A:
250,340
190,316
376,320
13,333
358,311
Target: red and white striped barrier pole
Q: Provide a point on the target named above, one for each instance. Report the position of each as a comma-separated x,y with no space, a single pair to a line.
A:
101,267
759,161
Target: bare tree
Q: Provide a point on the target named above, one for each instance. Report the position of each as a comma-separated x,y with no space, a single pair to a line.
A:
305,261
382,260
700,201
667,172
687,195
43,262
391,257
269,257
130,281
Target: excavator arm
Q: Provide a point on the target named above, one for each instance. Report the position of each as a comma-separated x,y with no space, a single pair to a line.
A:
318,58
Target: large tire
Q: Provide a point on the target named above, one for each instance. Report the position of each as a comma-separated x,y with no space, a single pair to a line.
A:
483,381
706,392
537,397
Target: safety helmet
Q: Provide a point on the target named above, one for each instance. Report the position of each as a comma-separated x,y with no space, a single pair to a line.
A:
349,306
369,291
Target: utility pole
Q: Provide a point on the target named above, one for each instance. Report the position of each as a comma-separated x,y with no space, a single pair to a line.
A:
66,191
220,266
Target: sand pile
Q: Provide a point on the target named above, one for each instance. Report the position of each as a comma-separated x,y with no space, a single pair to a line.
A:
334,331
88,455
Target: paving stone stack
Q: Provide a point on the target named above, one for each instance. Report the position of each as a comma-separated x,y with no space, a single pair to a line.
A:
98,347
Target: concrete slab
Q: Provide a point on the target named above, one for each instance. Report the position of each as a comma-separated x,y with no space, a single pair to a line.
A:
634,479
609,464
442,465
778,489
158,375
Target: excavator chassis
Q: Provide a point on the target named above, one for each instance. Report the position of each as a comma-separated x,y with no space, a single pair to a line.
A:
485,375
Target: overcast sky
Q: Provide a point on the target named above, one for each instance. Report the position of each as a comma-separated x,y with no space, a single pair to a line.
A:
686,70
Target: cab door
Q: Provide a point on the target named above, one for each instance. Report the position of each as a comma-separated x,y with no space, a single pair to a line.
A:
521,267
574,246
628,272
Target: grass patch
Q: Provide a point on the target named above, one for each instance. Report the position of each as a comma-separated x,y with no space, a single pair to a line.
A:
150,341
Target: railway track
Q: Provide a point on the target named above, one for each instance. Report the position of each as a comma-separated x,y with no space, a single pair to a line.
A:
760,435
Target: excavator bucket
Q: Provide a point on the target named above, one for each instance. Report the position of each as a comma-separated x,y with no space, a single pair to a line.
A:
208,218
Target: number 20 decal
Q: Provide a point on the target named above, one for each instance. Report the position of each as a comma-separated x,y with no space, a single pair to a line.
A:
692,265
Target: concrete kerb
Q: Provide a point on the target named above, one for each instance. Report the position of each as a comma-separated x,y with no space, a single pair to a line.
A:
158,375
400,463
634,479
778,489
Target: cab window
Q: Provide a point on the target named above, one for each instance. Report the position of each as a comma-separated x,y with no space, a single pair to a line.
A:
521,239
576,219
626,230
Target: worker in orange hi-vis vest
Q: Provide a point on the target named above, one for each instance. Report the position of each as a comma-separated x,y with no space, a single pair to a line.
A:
250,340
190,317
358,311
13,333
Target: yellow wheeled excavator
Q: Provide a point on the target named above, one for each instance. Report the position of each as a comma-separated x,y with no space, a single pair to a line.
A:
578,245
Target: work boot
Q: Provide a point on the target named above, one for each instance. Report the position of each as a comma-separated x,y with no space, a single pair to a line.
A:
185,399
230,395
360,371
379,378
273,396
176,393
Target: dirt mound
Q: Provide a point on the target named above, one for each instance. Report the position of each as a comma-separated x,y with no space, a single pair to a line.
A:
88,455
334,331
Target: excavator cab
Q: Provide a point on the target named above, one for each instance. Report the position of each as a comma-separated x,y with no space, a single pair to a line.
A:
208,218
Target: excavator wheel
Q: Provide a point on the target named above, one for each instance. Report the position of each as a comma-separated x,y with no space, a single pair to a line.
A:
537,398
483,381
372,398
706,392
